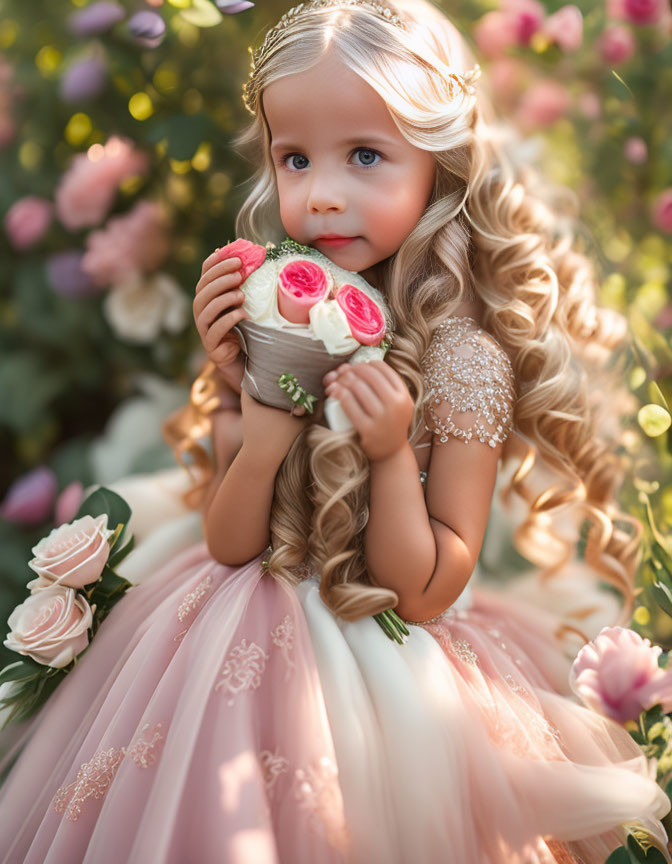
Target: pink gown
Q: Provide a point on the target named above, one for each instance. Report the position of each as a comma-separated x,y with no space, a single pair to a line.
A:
223,717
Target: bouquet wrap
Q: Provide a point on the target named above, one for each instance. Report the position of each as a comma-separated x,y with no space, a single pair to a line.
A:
307,316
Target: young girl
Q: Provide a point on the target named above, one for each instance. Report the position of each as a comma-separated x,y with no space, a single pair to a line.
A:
241,705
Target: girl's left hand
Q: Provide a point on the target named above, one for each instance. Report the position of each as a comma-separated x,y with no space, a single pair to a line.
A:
377,401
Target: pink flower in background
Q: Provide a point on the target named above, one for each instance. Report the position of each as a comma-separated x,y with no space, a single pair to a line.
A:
51,626
494,33
508,76
68,502
135,242
27,221
635,150
542,105
640,12
590,105
617,674
662,211
30,499
527,17
616,45
565,28
88,189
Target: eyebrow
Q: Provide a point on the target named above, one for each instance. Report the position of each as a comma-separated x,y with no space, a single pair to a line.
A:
358,139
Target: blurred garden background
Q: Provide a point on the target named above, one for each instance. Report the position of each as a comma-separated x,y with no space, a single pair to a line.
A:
117,179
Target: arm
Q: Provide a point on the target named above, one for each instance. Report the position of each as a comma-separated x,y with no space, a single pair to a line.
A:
426,551
237,516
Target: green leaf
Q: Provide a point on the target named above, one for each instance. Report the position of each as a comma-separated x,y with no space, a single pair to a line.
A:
120,554
642,851
104,500
619,856
22,670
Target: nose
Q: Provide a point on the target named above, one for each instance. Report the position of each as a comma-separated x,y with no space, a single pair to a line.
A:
325,194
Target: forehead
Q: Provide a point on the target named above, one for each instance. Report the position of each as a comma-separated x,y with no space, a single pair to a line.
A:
328,101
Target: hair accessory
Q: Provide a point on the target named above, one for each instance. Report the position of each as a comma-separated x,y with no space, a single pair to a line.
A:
464,81
275,34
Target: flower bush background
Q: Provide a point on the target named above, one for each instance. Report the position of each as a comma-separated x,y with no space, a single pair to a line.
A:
117,179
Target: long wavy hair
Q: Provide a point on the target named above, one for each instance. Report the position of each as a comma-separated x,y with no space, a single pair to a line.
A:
494,231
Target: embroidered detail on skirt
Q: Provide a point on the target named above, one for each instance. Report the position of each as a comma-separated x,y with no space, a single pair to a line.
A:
93,780
283,638
144,750
194,598
242,669
272,766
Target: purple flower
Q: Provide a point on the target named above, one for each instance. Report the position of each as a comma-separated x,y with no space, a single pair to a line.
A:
66,277
96,18
83,80
30,499
148,28
230,7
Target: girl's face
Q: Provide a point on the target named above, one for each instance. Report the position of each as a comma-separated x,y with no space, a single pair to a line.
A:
342,166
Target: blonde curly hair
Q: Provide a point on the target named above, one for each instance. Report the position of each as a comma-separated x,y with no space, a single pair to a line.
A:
493,231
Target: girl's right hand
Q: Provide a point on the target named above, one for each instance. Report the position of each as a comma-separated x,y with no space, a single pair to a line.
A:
217,308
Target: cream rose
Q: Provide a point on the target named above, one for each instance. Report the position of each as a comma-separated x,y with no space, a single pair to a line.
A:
331,326
73,555
51,626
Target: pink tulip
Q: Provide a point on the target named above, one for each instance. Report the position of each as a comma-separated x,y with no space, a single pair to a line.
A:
27,221
662,211
616,45
565,28
617,675
635,150
68,502
30,499
542,105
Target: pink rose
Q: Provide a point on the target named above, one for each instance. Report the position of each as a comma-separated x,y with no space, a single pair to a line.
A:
662,211
73,554
616,45
565,28
644,12
527,17
251,255
30,498
365,319
617,674
542,105
635,150
51,626
136,242
88,189
494,33
301,284
27,221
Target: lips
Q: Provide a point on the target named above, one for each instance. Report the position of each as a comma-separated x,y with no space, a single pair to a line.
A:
334,237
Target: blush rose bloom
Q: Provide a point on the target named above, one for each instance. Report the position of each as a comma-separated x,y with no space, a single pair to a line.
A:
616,45
51,626
88,188
137,242
72,555
27,221
565,28
617,675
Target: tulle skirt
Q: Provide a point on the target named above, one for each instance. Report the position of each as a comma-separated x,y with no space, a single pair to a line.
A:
222,716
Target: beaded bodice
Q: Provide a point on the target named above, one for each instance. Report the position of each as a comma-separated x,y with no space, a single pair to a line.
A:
469,381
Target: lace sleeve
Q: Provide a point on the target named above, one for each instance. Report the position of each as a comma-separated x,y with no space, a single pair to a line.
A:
469,384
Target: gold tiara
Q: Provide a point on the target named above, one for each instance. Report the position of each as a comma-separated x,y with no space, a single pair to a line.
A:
275,35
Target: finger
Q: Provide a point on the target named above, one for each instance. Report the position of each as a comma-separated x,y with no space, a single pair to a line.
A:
217,305
298,410
366,396
353,410
394,378
217,268
376,381
221,328
225,353
218,287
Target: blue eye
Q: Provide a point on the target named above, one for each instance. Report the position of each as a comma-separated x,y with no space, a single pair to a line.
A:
285,160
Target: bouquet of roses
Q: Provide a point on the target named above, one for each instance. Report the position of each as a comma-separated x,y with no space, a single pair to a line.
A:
75,589
307,316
